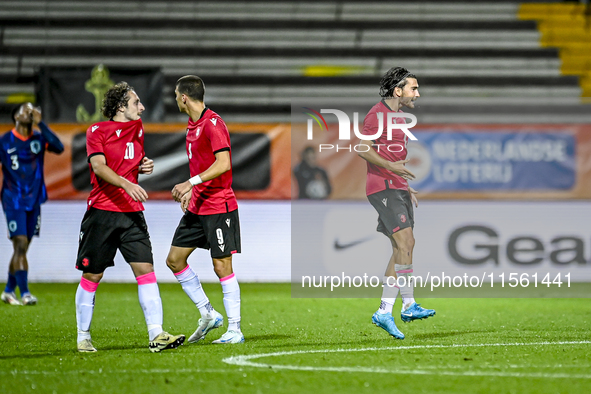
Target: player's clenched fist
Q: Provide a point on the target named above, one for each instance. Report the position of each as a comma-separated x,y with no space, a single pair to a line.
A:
147,166
180,189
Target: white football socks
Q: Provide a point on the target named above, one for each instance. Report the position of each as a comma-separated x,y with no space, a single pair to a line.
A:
151,303
406,291
84,307
192,286
231,291
389,294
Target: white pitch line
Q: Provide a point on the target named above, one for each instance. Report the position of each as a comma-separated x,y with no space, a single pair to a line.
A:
245,361
101,371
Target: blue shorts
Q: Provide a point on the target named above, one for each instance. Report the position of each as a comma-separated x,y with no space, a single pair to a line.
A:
23,222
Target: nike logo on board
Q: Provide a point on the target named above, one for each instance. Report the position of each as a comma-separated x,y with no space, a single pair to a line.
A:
341,246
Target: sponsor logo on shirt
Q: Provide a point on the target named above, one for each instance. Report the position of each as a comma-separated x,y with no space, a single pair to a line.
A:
94,128
214,121
9,151
118,132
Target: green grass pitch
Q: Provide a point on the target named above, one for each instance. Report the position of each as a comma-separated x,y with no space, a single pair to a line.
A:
298,346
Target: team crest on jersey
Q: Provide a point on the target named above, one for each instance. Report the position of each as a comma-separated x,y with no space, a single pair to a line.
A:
214,121
35,146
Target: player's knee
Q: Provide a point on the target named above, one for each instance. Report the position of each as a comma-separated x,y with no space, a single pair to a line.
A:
170,263
175,265
140,269
410,243
406,244
222,267
95,278
403,240
21,244
222,272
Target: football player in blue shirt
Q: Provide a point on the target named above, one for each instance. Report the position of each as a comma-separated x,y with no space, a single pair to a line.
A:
23,191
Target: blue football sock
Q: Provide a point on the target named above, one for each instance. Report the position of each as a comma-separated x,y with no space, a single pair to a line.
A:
21,280
11,284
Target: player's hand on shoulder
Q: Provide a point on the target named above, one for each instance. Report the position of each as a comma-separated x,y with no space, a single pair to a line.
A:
146,166
185,200
180,189
135,191
398,168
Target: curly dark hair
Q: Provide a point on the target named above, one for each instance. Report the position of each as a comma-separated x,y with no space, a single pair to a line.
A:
394,78
115,98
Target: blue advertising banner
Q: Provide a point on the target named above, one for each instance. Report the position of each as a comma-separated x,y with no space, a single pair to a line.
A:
492,161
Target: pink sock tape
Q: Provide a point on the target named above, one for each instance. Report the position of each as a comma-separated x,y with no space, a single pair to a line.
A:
180,272
88,285
225,278
146,279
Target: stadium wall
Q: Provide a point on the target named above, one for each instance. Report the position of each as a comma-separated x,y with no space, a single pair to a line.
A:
454,238
282,144
279,237
265,232
267,157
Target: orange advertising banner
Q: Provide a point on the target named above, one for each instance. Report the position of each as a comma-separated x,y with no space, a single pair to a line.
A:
271,154
345,170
